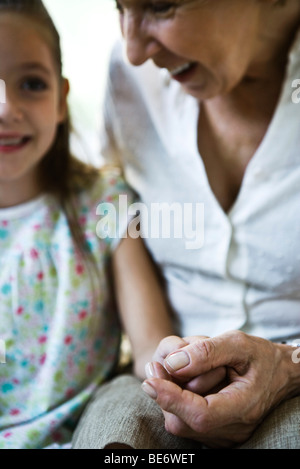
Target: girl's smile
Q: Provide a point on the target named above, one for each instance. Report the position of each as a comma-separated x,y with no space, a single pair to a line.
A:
10,143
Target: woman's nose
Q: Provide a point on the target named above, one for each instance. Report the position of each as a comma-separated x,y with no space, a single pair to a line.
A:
10,110
140,44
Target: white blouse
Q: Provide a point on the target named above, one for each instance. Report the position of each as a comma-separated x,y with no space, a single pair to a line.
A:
245,274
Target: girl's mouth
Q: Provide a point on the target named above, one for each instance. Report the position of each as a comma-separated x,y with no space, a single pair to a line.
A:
9,144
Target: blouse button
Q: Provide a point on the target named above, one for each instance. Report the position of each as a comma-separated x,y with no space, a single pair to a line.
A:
258,172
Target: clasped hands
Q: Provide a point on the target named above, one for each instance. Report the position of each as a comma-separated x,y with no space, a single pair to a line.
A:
218,390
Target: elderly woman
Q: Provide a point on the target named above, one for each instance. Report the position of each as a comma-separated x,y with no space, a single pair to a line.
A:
208,117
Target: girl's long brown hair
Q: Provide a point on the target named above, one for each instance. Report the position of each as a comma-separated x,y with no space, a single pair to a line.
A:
61,174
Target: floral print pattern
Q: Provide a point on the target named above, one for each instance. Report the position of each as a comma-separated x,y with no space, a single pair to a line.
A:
60,330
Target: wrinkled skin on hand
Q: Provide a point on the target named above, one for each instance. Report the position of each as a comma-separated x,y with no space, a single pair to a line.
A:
225,387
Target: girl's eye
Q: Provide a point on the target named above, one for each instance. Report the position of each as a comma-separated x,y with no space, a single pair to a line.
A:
34,84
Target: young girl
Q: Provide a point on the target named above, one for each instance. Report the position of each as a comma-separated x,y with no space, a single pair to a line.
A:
58,320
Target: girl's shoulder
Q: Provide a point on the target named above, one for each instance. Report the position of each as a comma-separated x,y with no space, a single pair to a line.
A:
108,194
107,187
103,208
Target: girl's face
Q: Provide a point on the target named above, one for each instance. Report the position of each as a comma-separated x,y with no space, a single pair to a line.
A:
207,45
35,102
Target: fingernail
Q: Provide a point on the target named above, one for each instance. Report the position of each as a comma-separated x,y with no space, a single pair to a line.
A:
177,361
149,370
148,389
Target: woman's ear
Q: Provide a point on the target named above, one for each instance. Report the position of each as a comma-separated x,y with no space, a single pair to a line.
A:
63,102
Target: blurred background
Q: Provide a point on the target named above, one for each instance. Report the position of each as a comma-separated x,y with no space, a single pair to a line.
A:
88,31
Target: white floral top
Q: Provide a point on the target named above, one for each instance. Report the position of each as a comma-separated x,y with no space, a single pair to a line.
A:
60,336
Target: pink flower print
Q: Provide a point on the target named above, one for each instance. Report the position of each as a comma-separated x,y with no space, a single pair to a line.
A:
56,436
43,339
68,339
43,359
40,276
82,220
90,369
82,315
69,393
34,254
79,269
7,435
14,412
20,310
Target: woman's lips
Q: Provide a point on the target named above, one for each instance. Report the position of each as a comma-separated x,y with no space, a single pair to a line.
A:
184,73
12,143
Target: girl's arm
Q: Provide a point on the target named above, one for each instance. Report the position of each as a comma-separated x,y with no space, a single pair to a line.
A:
141,302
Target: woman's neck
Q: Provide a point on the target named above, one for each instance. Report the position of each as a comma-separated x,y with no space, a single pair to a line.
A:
278,25
262,83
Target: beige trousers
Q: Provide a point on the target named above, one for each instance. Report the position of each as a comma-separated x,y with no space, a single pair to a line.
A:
122,413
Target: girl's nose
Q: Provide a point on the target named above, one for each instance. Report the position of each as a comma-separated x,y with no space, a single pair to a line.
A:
140,44
10,110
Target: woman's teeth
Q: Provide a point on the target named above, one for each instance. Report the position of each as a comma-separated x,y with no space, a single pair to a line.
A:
181,69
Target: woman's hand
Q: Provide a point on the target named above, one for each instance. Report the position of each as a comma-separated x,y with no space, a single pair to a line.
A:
202,384
260,375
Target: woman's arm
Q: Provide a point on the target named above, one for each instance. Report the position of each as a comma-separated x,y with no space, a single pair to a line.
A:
142,305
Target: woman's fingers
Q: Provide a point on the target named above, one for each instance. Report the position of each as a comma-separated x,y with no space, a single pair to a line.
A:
205,354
